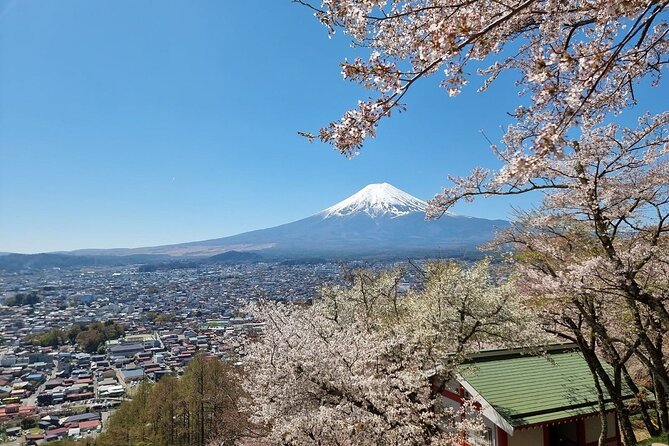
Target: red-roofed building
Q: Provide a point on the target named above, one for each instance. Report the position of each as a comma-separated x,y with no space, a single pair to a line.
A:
89,425
79,396
11,411
53,434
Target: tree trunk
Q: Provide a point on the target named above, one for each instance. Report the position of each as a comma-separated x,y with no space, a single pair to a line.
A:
655,362
613,387
200,382
647,420
603,416
624,423
626,426
661,403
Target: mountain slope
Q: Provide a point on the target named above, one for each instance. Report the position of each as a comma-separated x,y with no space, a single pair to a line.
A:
379,219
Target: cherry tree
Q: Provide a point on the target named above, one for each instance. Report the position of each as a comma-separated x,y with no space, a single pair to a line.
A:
577,298
354,367
577,60
594,253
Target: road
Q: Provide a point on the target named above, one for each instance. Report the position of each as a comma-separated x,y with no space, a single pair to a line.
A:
32,399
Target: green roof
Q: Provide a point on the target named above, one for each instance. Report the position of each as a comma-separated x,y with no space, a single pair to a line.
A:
535,389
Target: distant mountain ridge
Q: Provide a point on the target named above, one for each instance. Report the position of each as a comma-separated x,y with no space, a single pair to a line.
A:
17,262
380,220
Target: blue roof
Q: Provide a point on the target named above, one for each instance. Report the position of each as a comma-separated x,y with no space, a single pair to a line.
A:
34,376
132,373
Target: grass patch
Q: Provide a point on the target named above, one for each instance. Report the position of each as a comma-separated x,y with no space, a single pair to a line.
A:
659,439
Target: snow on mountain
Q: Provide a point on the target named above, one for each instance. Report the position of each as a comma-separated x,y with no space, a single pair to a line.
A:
375,200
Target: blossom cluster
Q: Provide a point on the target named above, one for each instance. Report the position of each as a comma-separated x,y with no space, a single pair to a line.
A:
354,367
579,61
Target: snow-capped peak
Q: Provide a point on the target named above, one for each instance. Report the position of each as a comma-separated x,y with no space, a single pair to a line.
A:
376,200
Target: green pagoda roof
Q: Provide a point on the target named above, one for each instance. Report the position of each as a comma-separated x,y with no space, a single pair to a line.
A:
526,390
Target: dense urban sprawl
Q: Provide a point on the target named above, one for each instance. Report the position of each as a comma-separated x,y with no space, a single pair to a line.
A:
62,373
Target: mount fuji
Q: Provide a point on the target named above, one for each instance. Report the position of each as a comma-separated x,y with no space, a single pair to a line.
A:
379,220
376,200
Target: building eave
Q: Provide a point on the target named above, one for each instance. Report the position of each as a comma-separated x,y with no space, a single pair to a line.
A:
486,408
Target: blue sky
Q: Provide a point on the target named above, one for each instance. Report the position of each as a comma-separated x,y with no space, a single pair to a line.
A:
136,123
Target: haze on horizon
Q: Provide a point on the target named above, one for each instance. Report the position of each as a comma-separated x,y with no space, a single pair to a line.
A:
123,124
